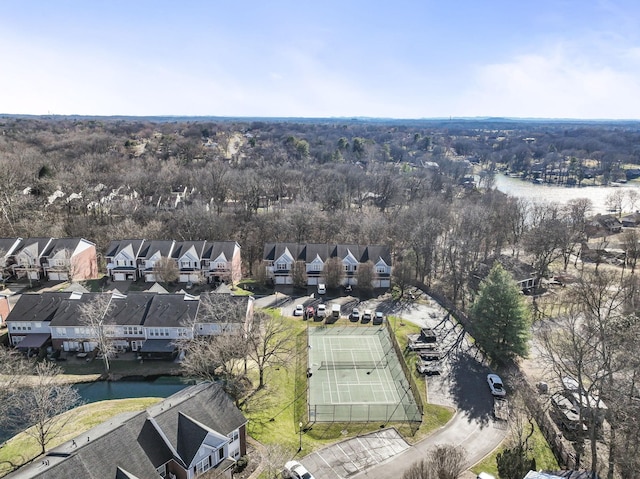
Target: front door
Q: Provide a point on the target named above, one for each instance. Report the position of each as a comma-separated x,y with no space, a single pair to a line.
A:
134,345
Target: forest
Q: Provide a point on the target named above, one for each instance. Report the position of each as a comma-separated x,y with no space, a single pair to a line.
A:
422,187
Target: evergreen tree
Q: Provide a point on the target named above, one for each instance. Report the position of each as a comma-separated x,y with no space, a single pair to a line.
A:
500,316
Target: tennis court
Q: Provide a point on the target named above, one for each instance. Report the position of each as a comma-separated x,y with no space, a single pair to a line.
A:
355,375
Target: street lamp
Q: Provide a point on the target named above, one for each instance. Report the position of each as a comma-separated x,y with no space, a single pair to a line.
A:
300,431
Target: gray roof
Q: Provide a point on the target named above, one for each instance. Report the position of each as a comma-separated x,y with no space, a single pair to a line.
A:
8,246
214,249
149,248
68,312
133,446
41,245
37,307
307,252
118,245
183,246
60,244
136,308
130,310
167,310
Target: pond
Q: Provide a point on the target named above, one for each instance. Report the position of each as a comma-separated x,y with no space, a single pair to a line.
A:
161,387
561,194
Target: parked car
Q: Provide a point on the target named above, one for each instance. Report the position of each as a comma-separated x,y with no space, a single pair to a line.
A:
322,288
367,316
428,367
310,312
295,470
496,385
428,335
378,318
355,315
321,312
299,310
566,413
348,288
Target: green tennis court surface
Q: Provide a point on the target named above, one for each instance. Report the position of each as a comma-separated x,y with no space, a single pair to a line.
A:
356,376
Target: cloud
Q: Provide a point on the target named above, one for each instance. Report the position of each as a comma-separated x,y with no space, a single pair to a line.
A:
559,83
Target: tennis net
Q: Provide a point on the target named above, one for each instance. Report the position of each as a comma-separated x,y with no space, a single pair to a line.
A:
353,364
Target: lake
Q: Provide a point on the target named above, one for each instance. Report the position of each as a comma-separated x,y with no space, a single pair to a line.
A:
560,194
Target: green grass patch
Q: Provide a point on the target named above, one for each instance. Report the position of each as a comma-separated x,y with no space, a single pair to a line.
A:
275,412
540,450
22,448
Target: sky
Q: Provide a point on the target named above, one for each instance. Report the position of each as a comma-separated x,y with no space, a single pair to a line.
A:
577,59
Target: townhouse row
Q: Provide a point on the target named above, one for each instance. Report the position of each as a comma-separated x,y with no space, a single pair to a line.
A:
76,259
196,261
148,323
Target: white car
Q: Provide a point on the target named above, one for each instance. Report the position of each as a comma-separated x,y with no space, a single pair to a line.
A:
496,385
321,311
322,289
299,310
295,470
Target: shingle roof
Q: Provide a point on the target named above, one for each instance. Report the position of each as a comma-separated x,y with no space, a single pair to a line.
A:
40,245
37,307
60,244
9,246
307,252
118,245
182,247
68,311
168,310
149,248
216,248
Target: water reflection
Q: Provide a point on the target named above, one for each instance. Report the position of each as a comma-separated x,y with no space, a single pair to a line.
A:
104,390
560,194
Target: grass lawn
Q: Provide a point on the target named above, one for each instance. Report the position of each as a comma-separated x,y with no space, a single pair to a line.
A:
275,412
539,449
23,448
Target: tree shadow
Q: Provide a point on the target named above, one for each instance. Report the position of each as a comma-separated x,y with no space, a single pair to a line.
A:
468,387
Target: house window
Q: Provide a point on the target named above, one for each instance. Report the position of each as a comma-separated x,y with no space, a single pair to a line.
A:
221,265
283,266
162,470
381,269
220,454
185,264
234,436
203,465
61,331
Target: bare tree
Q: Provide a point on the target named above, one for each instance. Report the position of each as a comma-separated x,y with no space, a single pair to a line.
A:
216,346
299,274
94,315
166,270
270,343
41,402
443,462
333,272
631,245
365,276
275,456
